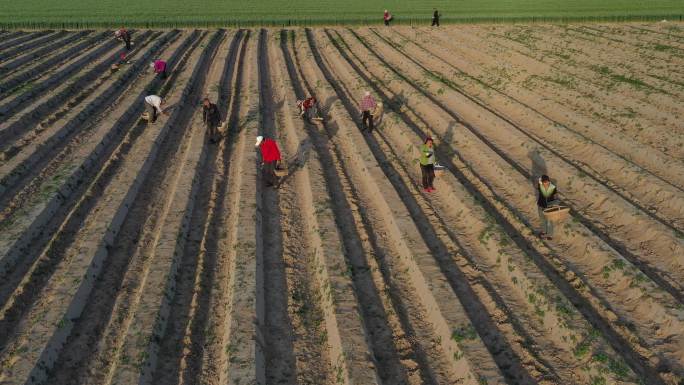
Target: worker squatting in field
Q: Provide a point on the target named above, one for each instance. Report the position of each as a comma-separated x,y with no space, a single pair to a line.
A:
125,36
154,105
270,159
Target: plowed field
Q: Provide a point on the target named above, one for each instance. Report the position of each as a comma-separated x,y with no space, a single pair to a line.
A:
136,253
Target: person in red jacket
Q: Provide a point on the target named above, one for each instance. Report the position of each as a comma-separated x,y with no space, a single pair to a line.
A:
387,17
270,156
308,108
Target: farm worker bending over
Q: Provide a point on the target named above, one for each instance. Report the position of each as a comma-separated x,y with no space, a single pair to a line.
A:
367,106
212,118
427,164
546,197
159,67
387,17
123,34
154,104
270,155
435,18
308,108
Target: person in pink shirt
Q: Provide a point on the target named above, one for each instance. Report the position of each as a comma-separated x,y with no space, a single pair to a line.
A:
159,67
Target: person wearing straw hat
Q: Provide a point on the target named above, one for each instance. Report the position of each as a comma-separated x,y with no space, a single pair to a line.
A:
546,197
427,164
367,106
159,68
270,156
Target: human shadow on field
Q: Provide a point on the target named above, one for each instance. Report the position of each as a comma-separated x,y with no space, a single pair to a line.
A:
538,166
298,161
325,113
396,102
444,145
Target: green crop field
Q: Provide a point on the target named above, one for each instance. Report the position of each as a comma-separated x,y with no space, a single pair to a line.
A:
210,13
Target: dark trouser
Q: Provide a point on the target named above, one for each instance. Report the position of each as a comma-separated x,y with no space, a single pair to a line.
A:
435,22
387,22
162,74
269,174
152,113
367,119
128,43
428,172
212,129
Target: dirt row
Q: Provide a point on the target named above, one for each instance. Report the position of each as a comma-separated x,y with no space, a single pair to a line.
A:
144,253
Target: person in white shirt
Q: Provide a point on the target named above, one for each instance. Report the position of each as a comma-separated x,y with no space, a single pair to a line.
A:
154,105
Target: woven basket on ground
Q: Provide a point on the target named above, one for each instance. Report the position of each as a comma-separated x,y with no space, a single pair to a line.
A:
557,213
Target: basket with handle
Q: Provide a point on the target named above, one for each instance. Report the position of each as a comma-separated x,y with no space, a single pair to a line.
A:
281,169
557,213
439,170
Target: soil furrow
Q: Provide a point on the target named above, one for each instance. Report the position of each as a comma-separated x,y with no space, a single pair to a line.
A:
50,63
479,262
612,211
18,38
383,331
46,38
348,353
186,335
135,337
623,183
282,365
14,105
474,309
556,115
58,119
584,95
478,160
72,170
209,279
292,303
57,255
34,54
237,356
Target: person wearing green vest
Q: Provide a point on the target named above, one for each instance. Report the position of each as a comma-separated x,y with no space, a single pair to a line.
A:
546,197
427,164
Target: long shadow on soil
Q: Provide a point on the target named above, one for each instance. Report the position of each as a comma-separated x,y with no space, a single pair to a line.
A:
172,349
279,348
502,352
375,318
55,252
635,361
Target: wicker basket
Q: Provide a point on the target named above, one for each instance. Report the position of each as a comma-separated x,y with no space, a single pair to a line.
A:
557,213
145,116
439,170
281,170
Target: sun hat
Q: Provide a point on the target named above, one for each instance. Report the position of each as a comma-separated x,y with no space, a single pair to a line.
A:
259,139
